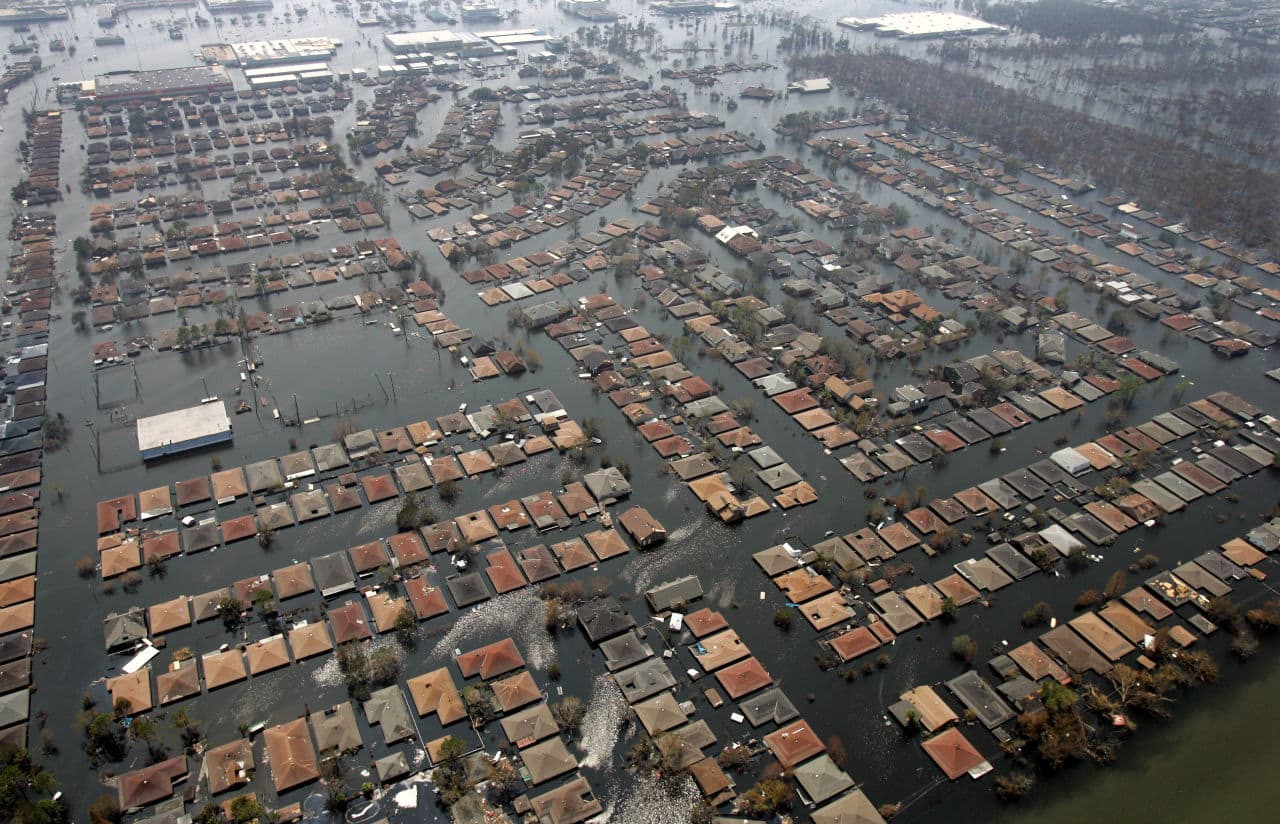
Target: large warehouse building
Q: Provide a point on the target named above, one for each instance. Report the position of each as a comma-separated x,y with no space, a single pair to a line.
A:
140,85
433,42
183,430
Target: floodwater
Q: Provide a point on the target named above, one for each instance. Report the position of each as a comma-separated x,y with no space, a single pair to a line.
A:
331,371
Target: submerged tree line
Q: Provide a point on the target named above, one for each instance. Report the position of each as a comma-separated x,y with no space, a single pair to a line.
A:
1183,182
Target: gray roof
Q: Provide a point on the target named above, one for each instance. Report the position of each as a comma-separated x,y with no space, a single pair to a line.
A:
778,477
624,650
821,779
336,730
644,679
535,723
545,400
705,407
390,767
333,573
124,629
603,618
15,708
606,484
264,475
775,384
468,589
547,760
329,456
853,808
765,457
976,694
17,566
770,705
359,444
670,594
387,708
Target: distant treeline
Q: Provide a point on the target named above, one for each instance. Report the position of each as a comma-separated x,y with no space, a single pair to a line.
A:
1078,20
1214,195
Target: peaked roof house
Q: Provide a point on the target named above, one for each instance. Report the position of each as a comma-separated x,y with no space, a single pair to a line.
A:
643,528
290,754
607,485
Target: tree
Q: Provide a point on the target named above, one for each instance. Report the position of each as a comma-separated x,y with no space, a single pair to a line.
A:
384,666
26,789
245,808
1126,393
1139,690
569,712
1061,735
835,749
735,757
1013,786
104,738
405,626
187,726
104,810
1265,618
1038,614
504,779
451,748
231,611
448,491
964,648
142,729
265,602
767,797
415,512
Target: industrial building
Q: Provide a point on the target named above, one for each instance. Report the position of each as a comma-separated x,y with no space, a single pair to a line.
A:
34,12
183,430
597,11
140,85
271,76
237,6
676,8
813,85
291,50
432,42
479,11
918,25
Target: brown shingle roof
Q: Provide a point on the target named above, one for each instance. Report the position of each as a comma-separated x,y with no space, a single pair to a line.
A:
490,660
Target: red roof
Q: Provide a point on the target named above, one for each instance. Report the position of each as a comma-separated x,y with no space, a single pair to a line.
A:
953,753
